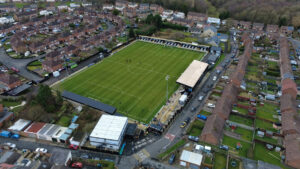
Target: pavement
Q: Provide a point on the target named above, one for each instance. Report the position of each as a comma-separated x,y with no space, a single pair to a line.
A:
20,64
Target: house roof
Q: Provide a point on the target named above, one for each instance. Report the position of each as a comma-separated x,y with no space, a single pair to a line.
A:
191,157
109,127
192,74
35,127
19,125
8,79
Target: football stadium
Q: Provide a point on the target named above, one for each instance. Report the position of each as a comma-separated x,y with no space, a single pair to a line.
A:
133,80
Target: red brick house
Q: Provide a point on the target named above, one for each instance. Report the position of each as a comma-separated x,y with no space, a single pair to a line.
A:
258,26
9,81
37,47
156,8
52,65
272,28
183,22
195,16
130,12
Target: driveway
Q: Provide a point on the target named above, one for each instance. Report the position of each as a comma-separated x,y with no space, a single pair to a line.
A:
19,64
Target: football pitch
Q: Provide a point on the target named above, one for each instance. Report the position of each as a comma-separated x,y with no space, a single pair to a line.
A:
133,79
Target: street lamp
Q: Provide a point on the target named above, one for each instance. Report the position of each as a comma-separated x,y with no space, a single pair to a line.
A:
167,79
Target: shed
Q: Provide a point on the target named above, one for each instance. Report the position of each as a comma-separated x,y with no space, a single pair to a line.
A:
190,159
19,125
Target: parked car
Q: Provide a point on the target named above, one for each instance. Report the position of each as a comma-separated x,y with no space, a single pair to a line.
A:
214,78
84,156
74,147
193,109
76,165
172,159
210,105
224,147
10,145
200,98
41,150
185,122
193,138
202,117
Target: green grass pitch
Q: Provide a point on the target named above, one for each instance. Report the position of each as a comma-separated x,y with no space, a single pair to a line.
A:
133,79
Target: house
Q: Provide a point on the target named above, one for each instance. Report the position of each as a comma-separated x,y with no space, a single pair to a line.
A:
19,126
214,41
130,12
61,157
183,22
179,15
258,26
70,50
22,16
18,46
156,8
121,3
5,115
209,31
212,20
190,159
133,5
195,16
108,7
244,25
10,81
52,65
288,30
8,8
37,47
272,28
144,7
222,37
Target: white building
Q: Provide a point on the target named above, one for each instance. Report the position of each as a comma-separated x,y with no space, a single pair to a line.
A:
4,20
133,5
190,159
108,7
45,12
212,20
73,5
179,15
19,125
109,132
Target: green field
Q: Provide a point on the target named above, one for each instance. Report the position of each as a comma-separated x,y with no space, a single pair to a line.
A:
133,79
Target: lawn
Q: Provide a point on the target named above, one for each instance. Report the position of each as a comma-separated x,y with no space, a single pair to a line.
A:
10,103
264,125
241,120
267,111
64,121
245,134
171,149
232,142
133,79
241,110
196,128
263,154
219,161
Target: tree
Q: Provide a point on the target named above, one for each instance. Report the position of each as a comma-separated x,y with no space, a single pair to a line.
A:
46,99
137,20
59,98
116,12
149,19
224,15
131,33
157,21
282,21
296,21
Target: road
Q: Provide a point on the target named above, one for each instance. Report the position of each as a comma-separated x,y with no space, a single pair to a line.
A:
22,144
20,64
